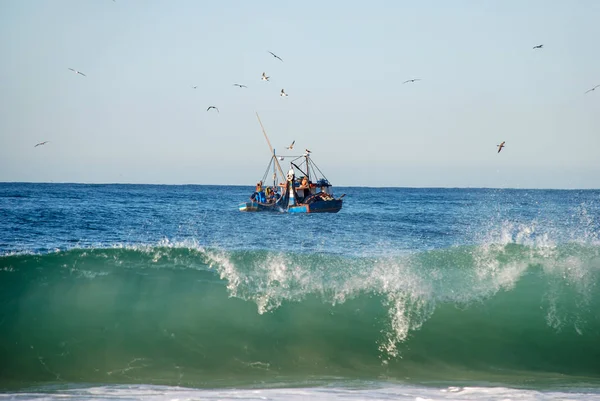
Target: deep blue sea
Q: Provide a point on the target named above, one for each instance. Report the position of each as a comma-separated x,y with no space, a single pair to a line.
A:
169,292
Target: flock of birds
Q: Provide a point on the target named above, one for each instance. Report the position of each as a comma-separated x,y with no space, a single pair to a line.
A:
265,78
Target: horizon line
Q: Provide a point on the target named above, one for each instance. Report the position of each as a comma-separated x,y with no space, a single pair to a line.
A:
335,186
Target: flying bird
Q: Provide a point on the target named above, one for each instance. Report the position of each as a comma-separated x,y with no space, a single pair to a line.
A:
283,93
194,87
501,146
213,107
240,85
281,158
78,72
593,89
411,80
307,151
264,77
276,56
40,144
538,46
292,145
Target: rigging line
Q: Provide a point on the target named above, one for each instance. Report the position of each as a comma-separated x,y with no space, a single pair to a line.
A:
269,143
264,179
319,170
297,158
295,165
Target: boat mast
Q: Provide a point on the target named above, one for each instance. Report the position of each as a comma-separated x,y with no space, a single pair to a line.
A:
270,147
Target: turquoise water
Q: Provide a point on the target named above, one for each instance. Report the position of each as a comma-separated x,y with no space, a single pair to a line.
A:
425,292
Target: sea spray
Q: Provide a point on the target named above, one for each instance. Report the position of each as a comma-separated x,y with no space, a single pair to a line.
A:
138,313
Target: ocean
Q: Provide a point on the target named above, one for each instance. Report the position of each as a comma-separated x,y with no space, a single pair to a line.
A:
169,292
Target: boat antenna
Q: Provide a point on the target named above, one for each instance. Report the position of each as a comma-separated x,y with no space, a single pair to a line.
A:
274,172
270,147
307,166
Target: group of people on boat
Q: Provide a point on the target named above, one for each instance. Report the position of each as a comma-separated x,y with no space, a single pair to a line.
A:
266,195
310,192
304,189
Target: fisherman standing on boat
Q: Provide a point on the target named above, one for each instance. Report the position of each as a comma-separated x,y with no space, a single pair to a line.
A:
305,186
304,183
258,195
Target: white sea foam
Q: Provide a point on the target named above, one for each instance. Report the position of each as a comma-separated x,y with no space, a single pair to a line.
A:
411,285
381,392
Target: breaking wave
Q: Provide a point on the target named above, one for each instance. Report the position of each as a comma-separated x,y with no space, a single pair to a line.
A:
182,314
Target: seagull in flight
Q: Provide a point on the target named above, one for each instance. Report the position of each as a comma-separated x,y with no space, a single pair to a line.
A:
40,144
240,85
264,77
307,151
501,146
538,46
411,80
283,93
276,56
213,107
593,89
291,146
78,72
194,87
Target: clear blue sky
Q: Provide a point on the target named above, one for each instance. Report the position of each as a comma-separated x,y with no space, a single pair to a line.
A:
135,118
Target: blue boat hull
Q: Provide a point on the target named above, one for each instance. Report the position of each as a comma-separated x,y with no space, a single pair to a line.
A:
260,207
328,206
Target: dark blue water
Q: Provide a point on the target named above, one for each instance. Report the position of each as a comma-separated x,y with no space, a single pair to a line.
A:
111,285
44,217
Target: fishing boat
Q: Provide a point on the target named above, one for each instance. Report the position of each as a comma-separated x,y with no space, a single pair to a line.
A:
303,189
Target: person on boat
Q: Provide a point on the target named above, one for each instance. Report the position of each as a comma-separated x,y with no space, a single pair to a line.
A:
258,195
255,197
305,186
269,194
